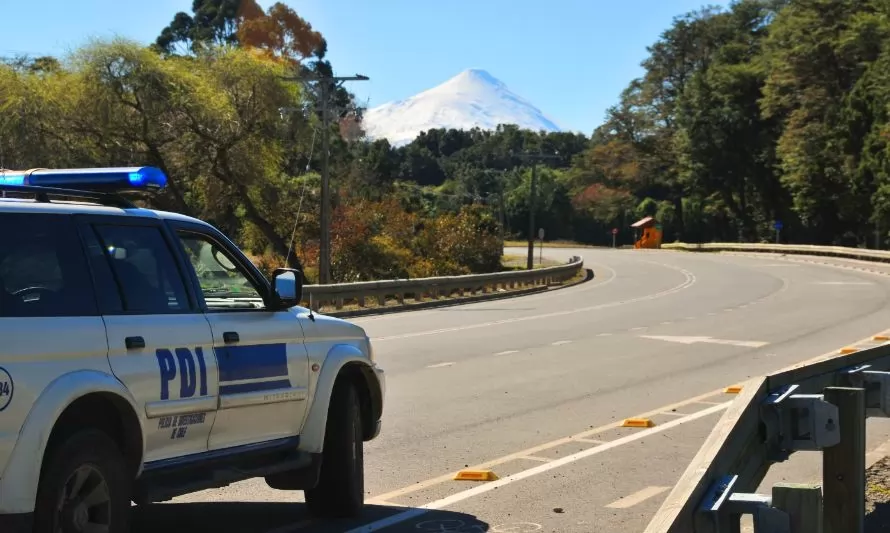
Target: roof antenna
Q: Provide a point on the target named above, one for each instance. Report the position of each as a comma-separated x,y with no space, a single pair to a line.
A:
311,316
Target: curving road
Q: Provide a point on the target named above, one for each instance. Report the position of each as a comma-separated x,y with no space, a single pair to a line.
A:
532,387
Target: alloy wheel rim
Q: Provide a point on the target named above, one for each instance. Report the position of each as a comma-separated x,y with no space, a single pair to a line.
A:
84,503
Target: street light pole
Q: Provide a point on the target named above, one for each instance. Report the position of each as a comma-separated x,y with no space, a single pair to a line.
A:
324,249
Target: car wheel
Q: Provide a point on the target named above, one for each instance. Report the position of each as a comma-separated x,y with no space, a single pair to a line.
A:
85,487
340,492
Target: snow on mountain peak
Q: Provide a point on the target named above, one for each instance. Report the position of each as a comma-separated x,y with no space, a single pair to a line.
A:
474,98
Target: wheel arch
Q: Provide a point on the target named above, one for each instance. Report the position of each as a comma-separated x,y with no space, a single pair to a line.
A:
343,362
59,407
104,411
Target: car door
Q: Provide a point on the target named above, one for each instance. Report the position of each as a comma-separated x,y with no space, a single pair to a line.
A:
263,362
159,342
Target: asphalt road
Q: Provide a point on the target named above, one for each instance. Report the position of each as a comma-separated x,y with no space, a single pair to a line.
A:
532,388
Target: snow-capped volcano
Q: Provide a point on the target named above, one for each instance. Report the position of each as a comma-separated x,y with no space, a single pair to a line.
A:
473,98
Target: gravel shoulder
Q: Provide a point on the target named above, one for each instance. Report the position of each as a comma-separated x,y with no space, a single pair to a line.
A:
877,496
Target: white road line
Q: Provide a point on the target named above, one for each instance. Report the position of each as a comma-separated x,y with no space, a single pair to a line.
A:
560,343
507,352
536,458
842,283
708,340
637,497
665,323
440,365
639,328
546,467
604,334
688,282
669,413
591,441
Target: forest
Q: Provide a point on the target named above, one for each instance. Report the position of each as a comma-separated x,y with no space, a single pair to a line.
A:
765,111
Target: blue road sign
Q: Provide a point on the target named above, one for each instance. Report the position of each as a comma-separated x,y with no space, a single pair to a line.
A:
778,224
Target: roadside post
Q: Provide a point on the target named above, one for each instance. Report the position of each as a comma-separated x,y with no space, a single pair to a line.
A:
541,246
614,234
843,465
778,227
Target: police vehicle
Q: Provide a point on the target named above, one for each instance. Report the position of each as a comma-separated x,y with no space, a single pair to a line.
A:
143,356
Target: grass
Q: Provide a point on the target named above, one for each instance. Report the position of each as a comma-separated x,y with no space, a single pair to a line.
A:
518,262
550,244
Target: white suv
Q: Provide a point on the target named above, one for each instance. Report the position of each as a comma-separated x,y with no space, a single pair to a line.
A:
143,356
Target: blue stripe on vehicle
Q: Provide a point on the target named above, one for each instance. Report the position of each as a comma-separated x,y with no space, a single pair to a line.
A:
251,362
254,387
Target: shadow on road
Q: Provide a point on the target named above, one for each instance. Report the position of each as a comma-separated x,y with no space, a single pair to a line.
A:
262,517
878,519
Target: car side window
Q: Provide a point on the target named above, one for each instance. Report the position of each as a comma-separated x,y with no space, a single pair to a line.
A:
224,283
43,270
144,269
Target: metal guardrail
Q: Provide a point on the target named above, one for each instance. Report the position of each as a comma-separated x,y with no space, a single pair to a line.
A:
800,249
817,407
340,294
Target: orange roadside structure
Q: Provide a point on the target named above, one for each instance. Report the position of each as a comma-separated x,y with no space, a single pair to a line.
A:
651,237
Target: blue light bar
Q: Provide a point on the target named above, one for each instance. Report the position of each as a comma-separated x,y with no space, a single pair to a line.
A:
105,179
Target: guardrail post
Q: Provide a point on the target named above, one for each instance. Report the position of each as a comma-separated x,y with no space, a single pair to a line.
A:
843,465
802,504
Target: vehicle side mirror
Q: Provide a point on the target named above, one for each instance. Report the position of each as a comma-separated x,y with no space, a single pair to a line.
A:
287,287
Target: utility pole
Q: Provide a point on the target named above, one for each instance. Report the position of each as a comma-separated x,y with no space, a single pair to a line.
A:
323,93
533,201
501,213
532,207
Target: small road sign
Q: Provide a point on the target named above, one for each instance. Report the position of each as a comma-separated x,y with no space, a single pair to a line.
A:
778,224
541,233
614,231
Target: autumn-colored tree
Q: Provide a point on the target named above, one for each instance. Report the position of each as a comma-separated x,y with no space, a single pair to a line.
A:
283,34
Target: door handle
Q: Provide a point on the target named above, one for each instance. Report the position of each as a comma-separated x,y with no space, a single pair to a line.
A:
230,337
134,343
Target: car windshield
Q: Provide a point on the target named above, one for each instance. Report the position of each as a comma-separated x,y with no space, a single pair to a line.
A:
217,273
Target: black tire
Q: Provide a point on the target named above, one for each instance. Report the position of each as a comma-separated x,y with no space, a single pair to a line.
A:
340,492
88,458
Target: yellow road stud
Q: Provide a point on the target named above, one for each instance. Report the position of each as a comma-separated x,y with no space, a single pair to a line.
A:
475,475
733,389
881,338
849,350
637,423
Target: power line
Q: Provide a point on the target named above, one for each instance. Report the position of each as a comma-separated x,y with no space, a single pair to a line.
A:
323,87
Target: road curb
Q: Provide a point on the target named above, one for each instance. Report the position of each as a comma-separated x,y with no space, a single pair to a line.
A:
456,301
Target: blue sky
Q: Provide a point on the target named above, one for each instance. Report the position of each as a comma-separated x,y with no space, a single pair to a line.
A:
571,58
